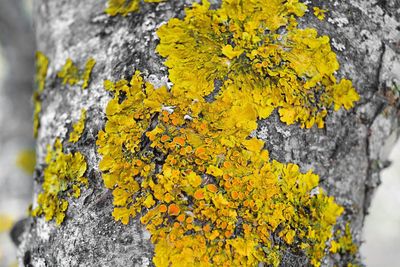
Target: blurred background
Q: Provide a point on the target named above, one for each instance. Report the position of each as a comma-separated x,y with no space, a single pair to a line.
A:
382,226
17,48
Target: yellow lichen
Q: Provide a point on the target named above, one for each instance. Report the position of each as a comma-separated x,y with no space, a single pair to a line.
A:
40,80
240,45
208,192
78,128
87,72
215,191
343,242
63,177
319,13
42,64
125,7
27,160
71,75
37,108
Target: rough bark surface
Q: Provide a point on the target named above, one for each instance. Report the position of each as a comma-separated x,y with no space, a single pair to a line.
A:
347,154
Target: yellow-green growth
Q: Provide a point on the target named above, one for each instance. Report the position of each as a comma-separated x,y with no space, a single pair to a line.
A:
71,75
27,160
207,192
291,69
87,72
63,177
42,64
125,7
319,13
37,107
343,242
217,199
78,128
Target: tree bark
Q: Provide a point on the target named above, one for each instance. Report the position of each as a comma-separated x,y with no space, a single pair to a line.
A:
347,154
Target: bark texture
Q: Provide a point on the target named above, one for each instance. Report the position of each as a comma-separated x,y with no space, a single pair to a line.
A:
348,153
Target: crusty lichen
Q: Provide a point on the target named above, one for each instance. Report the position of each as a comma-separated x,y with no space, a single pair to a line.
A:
63,177
71,75
78,128
42,64
125,7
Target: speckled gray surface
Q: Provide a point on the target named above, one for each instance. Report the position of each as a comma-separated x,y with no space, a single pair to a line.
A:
348,154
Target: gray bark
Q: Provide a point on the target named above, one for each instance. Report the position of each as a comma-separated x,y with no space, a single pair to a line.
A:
348,154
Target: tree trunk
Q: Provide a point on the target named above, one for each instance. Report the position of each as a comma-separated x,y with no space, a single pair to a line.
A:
347,154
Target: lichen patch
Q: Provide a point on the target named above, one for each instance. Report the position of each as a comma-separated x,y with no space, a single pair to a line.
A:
184,158
63,178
